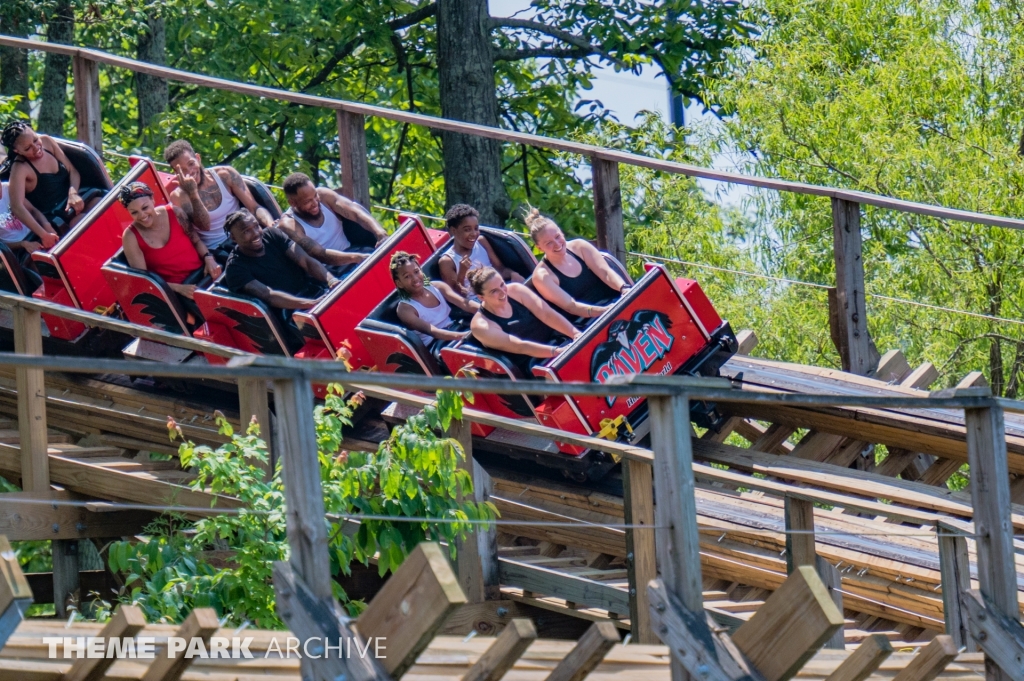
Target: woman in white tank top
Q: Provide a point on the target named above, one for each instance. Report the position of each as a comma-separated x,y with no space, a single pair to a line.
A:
425,306
215,236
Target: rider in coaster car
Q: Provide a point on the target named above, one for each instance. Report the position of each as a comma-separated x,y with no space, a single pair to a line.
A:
315,220
153,243
267,265
470,250
42,177
13,232
222,191
516,321
424,305
573,276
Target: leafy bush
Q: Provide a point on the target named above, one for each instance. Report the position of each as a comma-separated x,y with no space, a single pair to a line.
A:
225,561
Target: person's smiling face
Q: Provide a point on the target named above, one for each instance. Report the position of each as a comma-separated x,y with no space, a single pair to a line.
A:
190,165
409,278
248,234
29,145
551,241
466,233
494,293
305,202
143,211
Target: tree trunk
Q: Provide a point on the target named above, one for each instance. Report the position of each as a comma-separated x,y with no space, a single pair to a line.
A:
151,91
465,62
14,62
54,95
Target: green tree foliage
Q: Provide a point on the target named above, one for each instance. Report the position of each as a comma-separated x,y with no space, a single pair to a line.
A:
226,561
917,100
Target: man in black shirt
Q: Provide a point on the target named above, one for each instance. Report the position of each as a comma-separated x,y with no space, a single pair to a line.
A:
269,266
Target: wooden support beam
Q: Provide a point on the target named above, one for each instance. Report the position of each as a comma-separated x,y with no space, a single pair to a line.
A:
31,385
201,624
746,341
253,403
975,379
587,653
799,516
955,568
921,377
855,348
930,662
355,175
412,606
503,653
304,584
940,471
868,657
641,550
88,115
611,236
477,556
892,367
990,492
790,627
833,581
773,440
1001,637
547,582
817,446
15,595
66,579
128,620
25,520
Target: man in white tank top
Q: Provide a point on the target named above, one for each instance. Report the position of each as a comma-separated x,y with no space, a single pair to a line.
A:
221,190
315,220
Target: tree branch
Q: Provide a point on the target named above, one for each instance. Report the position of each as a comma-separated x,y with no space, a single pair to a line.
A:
546,51
345,49
558,34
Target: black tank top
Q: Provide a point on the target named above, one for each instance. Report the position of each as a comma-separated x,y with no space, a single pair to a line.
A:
50,196
524,325
586,287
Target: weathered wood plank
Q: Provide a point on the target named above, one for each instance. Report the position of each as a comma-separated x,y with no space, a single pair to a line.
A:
88,114
641,549
871,653
24,520
355,176
790,627
587,653
15,594
855,347
955,566
799,516
930,662
477,564
548,582
503,653
128,620
201,624
611,235
31,385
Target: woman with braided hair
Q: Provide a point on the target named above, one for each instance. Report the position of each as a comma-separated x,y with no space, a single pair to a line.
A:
425,305
43,177
156,243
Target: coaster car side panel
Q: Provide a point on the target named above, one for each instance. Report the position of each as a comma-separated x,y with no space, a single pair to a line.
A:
145,298
335,318
239,322
71,269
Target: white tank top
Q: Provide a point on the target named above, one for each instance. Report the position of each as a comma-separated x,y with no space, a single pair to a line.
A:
478,259
215,236
330,234
439,317
11,228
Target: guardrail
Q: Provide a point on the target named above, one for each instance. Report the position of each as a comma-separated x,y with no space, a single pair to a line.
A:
849,314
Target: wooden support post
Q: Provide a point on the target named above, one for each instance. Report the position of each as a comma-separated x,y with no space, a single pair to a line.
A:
15,594
355,174
304,584
587,653
930,662
611,236
477,561
31,385
66,578
127,621
411,607
88,115
868,657
955,568
641,550
855,347
253,402
990,494
746,341
503,653
833,581
790,626
799,514
201,624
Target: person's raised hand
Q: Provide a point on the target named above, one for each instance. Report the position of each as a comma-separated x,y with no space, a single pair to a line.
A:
464,266
49,239
187,183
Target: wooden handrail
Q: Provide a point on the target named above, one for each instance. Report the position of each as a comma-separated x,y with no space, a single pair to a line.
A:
540,141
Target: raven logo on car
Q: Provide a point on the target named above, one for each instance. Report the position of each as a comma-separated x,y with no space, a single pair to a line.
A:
632,347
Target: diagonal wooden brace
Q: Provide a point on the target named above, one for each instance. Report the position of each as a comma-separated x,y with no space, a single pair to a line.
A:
15,594
1000,637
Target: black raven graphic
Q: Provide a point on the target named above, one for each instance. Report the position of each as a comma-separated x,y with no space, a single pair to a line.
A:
256,329
405,364
620,354
160,313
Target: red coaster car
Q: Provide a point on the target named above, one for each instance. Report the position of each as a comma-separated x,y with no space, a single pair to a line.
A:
659,327
396,349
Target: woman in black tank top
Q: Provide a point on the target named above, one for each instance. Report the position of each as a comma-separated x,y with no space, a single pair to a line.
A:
515,321
573,276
